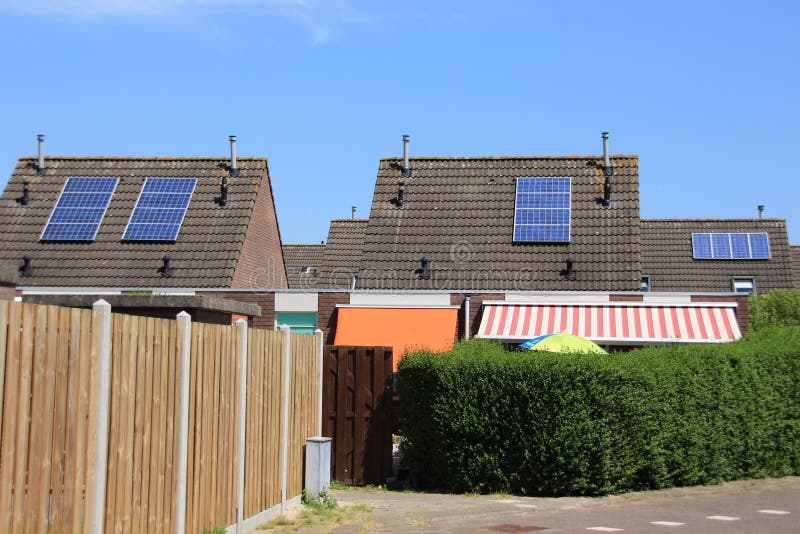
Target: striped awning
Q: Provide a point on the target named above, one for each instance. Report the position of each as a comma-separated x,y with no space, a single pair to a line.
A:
629,323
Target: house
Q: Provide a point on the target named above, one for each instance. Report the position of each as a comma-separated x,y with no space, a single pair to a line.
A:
303,265
509,248
133,227
795,251
673,256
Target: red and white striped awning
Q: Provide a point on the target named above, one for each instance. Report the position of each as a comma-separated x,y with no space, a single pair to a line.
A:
628,323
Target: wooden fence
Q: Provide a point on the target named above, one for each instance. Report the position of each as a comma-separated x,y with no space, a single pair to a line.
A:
133,424
357,411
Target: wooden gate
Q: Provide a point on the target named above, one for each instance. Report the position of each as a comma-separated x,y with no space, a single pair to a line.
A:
357,413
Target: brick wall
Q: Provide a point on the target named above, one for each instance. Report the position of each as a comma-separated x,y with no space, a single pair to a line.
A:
475,305
260,263
326,313
7,292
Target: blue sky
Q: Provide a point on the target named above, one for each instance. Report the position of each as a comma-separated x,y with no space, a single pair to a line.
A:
706,93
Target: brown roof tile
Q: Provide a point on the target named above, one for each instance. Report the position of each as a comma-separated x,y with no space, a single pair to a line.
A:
459,213
666,255
343,252
299,256
795,252
204,255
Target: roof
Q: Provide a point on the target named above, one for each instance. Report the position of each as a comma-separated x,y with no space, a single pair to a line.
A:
666,251
216,247
795,253
297,257
343,252
459,214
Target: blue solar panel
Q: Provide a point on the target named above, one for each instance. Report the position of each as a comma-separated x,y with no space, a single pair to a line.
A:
160,210
542,209
80,209
759,246
723,246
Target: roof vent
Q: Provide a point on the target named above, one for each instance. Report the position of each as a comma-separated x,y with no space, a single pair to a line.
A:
234,167
26,269
353,282
569,273
353,212
424,271
399,200
222,199
40,168
166,269
761,211
25,200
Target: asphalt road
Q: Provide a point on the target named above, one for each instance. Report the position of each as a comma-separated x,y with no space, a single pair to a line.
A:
752,506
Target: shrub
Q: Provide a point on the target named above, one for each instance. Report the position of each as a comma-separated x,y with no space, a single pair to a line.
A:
779,307
480,419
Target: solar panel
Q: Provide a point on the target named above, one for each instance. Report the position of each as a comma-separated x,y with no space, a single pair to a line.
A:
721,246
80,209
160,209
542,209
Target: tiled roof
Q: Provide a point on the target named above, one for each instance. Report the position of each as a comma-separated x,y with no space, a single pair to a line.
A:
459,213
795,251
666,250
343,252
299,256
205,254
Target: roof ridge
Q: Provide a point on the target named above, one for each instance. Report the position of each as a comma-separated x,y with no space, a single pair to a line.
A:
545,157
349,220
148,158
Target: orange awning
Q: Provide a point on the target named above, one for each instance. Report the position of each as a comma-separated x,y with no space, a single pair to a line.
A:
402,328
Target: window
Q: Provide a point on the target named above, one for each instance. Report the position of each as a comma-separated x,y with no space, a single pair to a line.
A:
542,210
300,322
744,284
646,283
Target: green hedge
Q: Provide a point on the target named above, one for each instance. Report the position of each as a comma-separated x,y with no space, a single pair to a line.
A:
779,307
480,419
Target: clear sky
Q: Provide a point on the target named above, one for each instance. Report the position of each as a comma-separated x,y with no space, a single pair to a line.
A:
707,93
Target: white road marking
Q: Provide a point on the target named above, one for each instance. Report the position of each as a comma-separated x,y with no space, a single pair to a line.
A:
722,518
774,512
666,523
604,529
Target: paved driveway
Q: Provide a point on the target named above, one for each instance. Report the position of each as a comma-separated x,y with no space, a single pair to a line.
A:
752,506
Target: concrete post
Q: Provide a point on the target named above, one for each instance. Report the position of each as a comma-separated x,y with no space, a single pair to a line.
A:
320,377
287,361
184,328
241,333
103,394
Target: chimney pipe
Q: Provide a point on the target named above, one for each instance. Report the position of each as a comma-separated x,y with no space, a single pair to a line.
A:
234,167
24,200
166,269
608,172
222,201
406,168
761,211
353,212
40,168
26,269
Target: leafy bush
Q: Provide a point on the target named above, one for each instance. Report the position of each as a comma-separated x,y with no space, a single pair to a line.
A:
480,419
779,307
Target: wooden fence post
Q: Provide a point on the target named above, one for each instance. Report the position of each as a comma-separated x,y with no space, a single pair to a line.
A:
241,332
102,329
287,361
320,375
184,328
